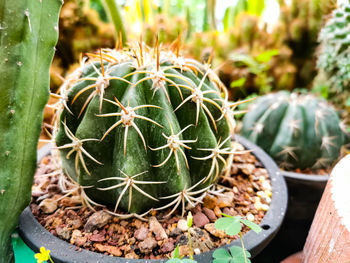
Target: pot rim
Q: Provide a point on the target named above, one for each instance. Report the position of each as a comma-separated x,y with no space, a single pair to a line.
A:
305,177
35,235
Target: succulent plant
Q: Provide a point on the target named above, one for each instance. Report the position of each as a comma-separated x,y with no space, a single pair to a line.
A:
143,128
28,32
300,22
298,131
334,56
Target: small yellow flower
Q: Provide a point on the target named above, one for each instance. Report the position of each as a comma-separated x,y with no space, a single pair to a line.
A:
43,256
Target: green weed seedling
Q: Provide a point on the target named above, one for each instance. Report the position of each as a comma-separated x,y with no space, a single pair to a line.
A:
236,255
232,225
177,258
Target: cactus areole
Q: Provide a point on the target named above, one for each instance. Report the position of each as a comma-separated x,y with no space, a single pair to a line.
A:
143,128
298,131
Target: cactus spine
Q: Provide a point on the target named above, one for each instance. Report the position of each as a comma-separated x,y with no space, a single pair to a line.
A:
298,131
28,33
143,128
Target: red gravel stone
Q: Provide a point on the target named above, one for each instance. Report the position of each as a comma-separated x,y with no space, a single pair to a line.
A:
141,233
210,214
167,247
200,219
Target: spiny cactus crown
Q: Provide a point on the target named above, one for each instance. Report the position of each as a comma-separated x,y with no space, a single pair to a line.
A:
143,128
334,56
298,131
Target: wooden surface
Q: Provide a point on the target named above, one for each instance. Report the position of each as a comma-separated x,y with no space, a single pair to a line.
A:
329,237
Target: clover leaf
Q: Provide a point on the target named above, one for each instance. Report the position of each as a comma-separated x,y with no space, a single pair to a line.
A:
256,228
177,260
232,224
236,255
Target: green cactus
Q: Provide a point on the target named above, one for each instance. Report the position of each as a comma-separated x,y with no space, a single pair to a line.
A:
143,128
28,33
334,61
334,56
298,131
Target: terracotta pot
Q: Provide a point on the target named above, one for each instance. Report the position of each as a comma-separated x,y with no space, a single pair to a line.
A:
329,236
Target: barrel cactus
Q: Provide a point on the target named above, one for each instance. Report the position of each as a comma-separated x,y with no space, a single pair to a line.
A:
143,128
298,131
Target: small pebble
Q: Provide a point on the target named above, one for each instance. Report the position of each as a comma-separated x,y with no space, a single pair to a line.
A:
200,219
258,206
196,251
48,205
265,207
268,193
225,200
97,220
210,214
217,211
182,225
266,185
147,245
141,233
157,228
250,217
261,194
167,247
215,232
176,232
268,200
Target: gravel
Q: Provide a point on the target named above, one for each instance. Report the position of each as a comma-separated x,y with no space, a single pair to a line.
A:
246,192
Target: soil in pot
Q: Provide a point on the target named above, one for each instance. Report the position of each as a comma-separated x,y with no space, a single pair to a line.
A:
245,192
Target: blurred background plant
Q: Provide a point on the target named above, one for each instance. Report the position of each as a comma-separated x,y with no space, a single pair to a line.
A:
333,79
256,46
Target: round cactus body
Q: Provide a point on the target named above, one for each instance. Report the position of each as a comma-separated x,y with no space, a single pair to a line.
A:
298,131
143,128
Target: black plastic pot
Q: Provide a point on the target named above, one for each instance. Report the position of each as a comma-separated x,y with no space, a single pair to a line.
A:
305,192
35,236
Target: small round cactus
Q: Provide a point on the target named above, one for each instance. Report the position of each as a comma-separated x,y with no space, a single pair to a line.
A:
298,131
143,128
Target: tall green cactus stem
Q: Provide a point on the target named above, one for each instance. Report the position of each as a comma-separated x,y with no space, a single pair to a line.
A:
112,8
298,131
144,128
28,34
